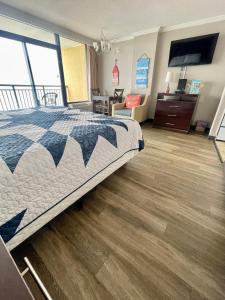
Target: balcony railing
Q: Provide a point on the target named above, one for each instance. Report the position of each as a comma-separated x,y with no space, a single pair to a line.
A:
13,97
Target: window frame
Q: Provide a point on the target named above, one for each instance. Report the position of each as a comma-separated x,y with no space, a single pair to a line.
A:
27,40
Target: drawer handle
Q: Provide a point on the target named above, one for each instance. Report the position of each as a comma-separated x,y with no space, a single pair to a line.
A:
36,278
170,124
175,106
172,115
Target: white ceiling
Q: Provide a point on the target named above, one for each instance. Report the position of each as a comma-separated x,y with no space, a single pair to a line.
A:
119,18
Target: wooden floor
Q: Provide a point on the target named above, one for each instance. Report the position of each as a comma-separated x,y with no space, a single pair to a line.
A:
153,230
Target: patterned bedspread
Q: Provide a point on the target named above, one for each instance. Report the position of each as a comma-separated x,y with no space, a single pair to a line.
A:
48,153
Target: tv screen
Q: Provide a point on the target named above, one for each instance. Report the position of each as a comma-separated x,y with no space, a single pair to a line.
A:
193,51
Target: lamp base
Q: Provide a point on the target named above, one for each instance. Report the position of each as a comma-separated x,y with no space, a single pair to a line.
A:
168,89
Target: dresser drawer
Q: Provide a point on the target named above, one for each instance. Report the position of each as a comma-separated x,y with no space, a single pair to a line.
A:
172,122
177,108
175,113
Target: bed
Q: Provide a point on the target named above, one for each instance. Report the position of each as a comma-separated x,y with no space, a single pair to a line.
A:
50,158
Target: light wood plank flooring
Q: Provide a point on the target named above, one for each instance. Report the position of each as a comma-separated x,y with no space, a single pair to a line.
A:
153,230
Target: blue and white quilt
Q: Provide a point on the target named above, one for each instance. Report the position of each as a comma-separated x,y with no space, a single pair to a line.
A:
48,153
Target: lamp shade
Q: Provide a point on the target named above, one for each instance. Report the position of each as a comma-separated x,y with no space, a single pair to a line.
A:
169,76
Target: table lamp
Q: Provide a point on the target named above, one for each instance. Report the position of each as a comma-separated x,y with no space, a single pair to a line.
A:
169,76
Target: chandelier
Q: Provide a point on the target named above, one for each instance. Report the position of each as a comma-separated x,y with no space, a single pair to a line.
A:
104,46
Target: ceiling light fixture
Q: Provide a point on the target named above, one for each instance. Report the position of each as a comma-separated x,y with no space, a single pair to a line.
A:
104,46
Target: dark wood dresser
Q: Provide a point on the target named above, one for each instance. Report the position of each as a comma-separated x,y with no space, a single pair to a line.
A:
175,113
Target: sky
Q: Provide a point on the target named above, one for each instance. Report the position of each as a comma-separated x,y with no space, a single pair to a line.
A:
13,68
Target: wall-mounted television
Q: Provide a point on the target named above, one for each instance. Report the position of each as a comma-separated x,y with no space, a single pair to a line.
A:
198,50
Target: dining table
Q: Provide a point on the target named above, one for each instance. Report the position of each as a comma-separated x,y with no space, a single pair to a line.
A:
102,104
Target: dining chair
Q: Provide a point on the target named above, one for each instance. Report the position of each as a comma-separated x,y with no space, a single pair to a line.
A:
116,98
50,99
95,92
118,95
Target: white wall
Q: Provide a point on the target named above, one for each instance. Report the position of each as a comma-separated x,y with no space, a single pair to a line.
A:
125,63
145,44
129,52
213,75
157,46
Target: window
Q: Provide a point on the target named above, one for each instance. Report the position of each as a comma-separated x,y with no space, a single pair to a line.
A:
13,68
29,72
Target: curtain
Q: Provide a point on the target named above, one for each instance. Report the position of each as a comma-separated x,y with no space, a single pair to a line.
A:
93,69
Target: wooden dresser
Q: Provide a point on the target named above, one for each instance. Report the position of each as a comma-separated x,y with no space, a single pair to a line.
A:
176,112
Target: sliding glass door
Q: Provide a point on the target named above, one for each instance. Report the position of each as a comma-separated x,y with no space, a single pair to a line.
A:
45,70
15,90
30,73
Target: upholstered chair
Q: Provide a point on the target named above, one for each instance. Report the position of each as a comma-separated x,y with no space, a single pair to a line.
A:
139,113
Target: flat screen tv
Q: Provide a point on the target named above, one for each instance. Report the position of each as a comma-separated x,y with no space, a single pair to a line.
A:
198,50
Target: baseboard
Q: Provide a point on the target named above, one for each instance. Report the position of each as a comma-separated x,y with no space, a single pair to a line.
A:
211,137
149,120
218,152
192,128
80,102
